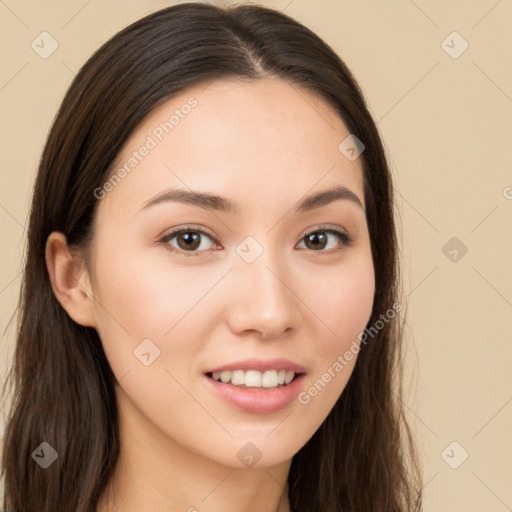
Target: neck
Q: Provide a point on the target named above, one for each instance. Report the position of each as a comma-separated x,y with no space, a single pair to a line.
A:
156,473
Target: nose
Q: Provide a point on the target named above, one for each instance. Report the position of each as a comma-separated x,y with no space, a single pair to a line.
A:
262,298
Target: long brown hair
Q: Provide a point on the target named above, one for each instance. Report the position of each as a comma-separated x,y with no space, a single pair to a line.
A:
363,457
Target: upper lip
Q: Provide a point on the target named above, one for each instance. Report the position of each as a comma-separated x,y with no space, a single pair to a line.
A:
261,365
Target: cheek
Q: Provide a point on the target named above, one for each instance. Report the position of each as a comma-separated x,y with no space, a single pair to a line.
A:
344,310
345,302
140,298
142,293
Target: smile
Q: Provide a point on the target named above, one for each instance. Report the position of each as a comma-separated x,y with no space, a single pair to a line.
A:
254,378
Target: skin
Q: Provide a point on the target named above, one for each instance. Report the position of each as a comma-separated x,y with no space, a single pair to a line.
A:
264,145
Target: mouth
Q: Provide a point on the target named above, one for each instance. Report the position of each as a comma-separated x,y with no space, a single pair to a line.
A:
257,385
255,379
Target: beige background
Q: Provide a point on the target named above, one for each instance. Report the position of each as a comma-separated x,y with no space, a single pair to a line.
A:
447,126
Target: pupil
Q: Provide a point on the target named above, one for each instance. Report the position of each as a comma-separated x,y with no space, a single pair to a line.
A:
191,240
316,237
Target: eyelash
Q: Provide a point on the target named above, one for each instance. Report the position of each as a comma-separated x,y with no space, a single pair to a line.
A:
346,240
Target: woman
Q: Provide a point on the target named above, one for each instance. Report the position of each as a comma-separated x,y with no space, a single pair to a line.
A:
208,311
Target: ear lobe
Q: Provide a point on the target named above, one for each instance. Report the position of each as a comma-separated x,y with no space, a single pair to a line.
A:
70,280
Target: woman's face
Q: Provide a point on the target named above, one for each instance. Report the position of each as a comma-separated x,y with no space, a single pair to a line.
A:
267,287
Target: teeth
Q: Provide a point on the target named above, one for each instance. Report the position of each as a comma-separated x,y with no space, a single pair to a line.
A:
288,377
269,379
237,378
254,378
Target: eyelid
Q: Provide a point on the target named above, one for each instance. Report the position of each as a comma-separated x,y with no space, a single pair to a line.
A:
323,227
191,227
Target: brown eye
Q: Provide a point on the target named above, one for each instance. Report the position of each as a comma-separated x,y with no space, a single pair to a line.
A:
318,240
188,240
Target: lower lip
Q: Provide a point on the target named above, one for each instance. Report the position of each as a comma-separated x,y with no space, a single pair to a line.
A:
258,400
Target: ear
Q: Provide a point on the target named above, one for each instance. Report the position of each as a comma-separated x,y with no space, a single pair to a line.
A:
70,280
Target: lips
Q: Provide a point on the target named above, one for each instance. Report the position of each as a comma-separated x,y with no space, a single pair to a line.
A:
256,385
260,365
257,400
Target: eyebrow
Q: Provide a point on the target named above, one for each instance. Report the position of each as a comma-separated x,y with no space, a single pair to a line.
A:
209,201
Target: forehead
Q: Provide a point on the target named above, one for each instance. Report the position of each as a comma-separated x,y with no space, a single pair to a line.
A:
260,140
